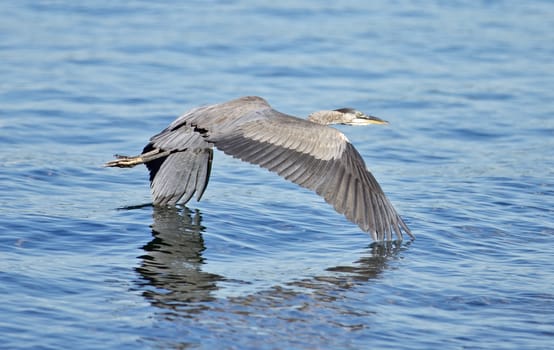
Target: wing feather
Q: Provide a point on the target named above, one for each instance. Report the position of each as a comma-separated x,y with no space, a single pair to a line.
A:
270,156
273,161
180,176
307,176
286,165
339,194
185,171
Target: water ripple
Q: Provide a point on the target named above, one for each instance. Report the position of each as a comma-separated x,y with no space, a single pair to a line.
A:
261,263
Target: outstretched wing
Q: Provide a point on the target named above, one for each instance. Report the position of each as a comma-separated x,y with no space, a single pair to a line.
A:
313,156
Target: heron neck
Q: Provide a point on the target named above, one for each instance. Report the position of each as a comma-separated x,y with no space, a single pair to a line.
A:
325,117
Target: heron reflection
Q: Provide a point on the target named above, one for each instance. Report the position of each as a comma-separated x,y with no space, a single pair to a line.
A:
172,275
368,267
325,288
172,260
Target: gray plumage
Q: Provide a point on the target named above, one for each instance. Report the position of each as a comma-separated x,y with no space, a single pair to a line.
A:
306,152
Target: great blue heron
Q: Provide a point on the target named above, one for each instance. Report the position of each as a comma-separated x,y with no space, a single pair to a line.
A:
306,152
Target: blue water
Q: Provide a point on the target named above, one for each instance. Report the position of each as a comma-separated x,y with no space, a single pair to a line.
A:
259,263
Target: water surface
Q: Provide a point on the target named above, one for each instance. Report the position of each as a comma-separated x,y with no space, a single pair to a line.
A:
260,263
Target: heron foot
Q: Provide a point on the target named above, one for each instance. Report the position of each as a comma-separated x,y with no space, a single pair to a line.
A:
129,162
125,161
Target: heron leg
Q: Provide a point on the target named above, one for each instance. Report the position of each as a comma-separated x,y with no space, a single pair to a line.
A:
129,162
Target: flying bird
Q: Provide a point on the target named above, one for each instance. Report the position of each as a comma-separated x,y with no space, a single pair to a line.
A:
306,152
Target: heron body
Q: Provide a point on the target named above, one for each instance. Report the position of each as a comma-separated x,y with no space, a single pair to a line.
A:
306,152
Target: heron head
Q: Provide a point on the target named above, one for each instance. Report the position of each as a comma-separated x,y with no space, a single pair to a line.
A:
351,116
